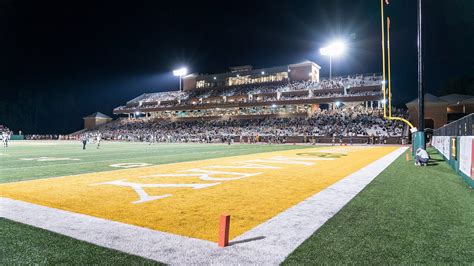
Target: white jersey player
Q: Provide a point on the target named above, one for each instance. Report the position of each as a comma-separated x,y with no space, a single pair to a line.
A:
98,138
5,139
151,139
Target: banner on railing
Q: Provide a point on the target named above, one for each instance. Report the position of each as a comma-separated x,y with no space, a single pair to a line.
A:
441,143
465,155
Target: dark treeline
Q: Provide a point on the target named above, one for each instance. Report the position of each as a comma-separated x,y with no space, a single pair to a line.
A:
33,112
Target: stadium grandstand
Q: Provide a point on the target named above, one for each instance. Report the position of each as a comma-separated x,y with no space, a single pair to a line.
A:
278,104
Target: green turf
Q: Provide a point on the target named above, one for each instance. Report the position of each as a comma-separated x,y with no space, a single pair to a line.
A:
23,244
12,168
406,215
26,245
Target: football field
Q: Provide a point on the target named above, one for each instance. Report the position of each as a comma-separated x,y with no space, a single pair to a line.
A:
180,190
163,201
130,203
186,198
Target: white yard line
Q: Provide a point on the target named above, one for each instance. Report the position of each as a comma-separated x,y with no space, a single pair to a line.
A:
269,243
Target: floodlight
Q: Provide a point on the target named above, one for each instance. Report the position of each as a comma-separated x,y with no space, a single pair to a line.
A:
263,72
180,72
334,49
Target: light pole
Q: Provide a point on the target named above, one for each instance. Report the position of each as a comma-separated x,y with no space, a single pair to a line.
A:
334,49
180,73
421,94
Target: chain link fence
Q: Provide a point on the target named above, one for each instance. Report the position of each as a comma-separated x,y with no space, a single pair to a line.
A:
460,127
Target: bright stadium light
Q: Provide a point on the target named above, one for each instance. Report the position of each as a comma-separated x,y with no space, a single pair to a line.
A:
263,72
180,73
335,49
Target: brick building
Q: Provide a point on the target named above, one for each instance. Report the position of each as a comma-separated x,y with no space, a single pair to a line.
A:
441,110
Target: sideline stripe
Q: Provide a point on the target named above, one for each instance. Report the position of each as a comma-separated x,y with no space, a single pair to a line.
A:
269,243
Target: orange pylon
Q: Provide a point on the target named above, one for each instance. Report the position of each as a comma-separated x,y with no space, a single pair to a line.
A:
224,227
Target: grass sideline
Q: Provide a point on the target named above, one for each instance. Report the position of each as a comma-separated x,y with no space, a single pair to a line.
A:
27,245
408,214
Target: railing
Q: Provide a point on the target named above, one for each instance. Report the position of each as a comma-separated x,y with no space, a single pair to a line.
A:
460,127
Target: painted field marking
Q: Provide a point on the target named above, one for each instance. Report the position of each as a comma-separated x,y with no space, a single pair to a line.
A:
48,159
267,244
129,165
144,196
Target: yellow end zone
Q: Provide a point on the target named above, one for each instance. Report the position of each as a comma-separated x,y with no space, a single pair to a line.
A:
187,198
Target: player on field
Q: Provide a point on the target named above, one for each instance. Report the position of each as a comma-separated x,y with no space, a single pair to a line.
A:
98,138
151,139
84,142
5,138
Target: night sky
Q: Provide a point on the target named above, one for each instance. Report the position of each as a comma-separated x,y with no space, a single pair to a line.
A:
62,60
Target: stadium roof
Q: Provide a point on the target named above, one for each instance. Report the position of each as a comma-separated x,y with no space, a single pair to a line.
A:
248,70
98,115
456,98
468,101
429,99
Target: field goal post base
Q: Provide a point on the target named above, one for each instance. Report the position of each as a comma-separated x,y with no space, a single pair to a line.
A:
418,138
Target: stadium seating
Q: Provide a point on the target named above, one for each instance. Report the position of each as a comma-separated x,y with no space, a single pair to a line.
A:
337,86
342,122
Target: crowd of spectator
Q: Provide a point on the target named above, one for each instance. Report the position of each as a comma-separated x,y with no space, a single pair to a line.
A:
341,122
42,137
217,95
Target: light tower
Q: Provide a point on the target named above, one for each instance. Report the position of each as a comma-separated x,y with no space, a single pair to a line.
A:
180,73
336,49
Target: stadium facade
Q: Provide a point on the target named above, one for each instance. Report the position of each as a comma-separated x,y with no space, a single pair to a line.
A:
293,90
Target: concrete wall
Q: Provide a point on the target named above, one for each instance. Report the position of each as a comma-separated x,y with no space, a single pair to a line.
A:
189,83
437,112
300,73
93,122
